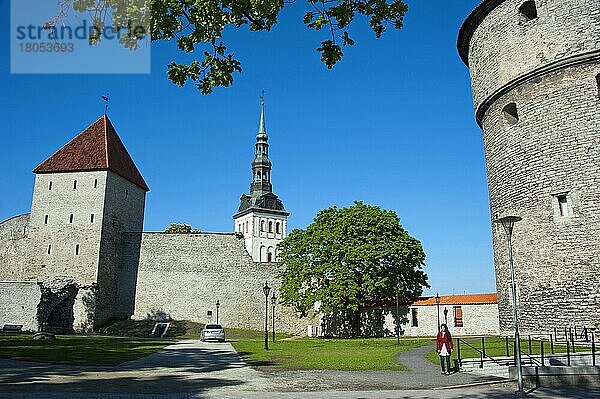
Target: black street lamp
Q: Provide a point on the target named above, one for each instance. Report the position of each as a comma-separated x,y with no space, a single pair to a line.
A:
398,315
437,303
273,302
217,305
266,290
508,223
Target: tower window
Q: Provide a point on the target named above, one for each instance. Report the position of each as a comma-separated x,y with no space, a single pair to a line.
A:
246,227
528,11
74,184
510,113
71,218
278,228
77,249
270,227
126,194
46,219
563,209
262,225
49,186
598,84
95,183
49,249
92,218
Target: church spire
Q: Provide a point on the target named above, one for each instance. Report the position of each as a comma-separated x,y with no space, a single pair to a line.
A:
261,166
261,128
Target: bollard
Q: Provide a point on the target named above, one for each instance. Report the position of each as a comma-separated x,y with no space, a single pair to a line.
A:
530,351
459,357
552,343
542,351
568,354
507,351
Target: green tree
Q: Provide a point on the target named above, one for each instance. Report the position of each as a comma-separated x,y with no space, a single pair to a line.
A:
349,256
176,228
200,25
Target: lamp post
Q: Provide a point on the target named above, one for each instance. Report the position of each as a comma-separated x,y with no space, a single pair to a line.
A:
508,223
273,302
217,305
398,315
266,290
437,303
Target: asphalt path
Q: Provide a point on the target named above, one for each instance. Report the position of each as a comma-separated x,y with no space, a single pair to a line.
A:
192,369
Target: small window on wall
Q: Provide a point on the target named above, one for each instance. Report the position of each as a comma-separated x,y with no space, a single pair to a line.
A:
511,114
92,218
262,225
528,11
49,249
278,228
458,316
414,320
74,184
270,227
598,85
95,183
71,218
77,249
46,219
126,194
562,206
49,186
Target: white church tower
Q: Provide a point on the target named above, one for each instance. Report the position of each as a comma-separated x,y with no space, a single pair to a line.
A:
261,217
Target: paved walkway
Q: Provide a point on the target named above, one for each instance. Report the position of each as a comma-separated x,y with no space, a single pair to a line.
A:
195,370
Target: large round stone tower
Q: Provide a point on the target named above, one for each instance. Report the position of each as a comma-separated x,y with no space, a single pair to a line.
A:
535,71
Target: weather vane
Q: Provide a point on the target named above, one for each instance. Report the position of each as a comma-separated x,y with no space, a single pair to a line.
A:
262,97
105,98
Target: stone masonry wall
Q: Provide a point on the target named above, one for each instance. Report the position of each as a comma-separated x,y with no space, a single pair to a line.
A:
18,303
183,275
548,154
481,319
123,212
15,247
553,149
504,47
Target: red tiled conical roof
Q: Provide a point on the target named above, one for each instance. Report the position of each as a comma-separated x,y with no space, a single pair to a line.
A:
96,148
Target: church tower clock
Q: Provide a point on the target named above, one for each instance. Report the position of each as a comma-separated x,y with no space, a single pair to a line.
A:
261,217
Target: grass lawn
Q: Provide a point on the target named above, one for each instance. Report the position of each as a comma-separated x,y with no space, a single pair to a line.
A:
496,347
78,349
324,354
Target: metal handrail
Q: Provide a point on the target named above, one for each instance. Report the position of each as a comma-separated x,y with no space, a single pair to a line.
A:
482,354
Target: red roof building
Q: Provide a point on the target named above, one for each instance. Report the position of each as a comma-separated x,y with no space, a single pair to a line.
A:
98,147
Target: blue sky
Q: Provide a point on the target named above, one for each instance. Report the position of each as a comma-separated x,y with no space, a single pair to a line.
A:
391,125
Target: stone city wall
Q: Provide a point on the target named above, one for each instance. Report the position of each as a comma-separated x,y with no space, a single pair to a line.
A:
504,46
554,149
181,276
18,303
15,248
543,157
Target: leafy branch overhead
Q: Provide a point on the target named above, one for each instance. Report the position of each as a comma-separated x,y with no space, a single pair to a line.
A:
198,26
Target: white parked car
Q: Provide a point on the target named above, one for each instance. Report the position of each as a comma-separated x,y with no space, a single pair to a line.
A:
213,331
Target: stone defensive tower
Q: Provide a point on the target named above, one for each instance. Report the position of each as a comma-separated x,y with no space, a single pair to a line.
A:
261,216
85,196
535,71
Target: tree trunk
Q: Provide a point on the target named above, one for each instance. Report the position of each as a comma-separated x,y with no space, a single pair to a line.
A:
356,322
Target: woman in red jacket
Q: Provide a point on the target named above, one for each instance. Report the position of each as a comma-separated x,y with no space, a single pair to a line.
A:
444,347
